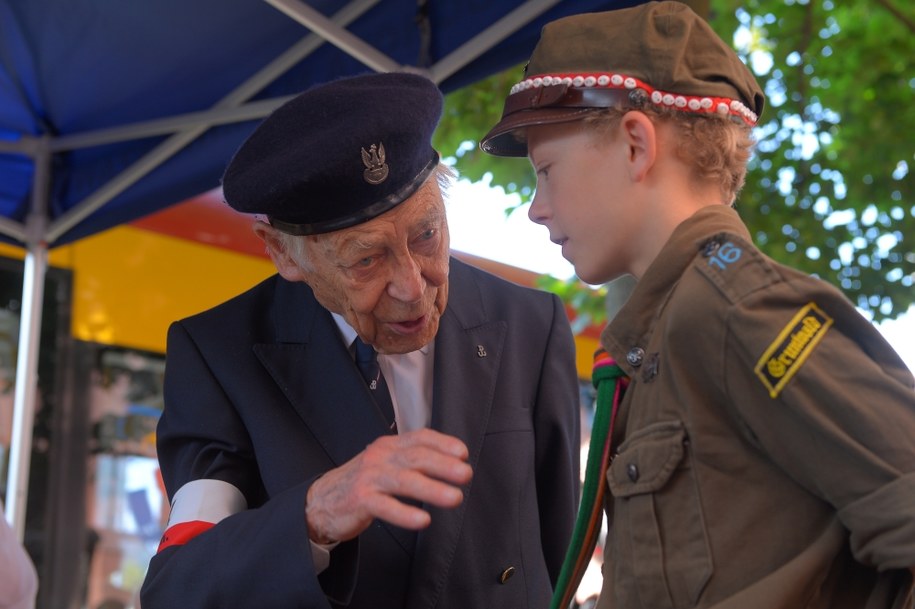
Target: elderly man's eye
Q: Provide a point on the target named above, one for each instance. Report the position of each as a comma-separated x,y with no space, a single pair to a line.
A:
365,262
426,242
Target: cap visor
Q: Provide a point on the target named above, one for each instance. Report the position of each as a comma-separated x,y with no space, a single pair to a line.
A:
507,138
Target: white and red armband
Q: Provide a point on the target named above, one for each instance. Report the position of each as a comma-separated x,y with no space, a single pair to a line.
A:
197,507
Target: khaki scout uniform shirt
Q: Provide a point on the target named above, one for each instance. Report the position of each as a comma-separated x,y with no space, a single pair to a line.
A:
766,442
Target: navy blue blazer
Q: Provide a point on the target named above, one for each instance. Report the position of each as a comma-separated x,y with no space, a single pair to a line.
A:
260,392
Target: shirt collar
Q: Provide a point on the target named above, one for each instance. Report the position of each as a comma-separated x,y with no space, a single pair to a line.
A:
349,334
632,325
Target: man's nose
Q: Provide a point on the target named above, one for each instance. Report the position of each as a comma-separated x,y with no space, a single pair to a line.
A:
407,282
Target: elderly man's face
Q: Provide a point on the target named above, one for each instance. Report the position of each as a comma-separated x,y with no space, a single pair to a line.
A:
389,276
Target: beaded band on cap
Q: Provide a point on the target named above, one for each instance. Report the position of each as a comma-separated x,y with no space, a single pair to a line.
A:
709,105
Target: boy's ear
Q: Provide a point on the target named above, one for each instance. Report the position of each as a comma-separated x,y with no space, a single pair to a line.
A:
276,249
640,135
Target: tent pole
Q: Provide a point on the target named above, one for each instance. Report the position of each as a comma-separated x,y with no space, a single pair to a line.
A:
26,391
229,109
26,387
490,37
339,37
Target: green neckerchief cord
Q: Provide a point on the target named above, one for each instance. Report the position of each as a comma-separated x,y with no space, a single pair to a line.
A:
610,381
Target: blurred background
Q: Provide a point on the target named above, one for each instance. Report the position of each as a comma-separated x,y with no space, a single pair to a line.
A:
116,120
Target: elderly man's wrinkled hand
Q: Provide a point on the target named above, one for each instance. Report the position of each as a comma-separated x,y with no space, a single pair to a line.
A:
424,465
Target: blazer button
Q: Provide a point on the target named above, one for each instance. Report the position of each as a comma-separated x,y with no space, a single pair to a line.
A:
632,470
506,575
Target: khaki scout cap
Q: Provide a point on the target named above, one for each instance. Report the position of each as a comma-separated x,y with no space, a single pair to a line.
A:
658,52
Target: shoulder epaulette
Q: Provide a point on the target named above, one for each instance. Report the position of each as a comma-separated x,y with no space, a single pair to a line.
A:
735,266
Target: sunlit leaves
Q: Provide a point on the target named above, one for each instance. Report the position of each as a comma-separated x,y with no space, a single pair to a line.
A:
830,190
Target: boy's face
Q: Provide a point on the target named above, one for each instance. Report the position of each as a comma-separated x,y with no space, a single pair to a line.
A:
583,198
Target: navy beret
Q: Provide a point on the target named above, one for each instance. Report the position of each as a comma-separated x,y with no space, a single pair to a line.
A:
339,154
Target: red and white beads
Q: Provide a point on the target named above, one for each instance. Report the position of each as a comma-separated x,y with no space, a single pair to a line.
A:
688,103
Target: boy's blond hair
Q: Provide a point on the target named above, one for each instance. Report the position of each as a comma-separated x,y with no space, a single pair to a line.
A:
716,148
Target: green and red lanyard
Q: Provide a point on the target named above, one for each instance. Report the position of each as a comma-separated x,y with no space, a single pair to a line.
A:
610,382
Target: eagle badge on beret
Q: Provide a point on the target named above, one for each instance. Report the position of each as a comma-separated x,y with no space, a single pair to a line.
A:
376,170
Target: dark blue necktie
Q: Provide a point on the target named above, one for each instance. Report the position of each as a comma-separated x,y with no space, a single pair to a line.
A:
367,362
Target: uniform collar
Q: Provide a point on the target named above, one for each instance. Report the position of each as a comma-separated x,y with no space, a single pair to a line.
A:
631,327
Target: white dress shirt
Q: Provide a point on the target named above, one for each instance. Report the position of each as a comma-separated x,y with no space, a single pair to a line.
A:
409,379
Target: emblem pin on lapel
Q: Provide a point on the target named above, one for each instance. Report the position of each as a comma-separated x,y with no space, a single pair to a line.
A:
481,351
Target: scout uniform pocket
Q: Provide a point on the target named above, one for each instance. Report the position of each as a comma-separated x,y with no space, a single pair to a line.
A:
657,507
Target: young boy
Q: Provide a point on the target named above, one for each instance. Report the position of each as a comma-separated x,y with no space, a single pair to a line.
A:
764,451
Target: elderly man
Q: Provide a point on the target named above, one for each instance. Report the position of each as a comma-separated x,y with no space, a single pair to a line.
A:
302,471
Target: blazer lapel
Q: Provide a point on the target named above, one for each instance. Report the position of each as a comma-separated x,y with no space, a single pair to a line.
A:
467,347
313,368
316,373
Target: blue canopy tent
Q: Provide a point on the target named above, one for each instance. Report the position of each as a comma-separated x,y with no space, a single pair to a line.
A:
112,110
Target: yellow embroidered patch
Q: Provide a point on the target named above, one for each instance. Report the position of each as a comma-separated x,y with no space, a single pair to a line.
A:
794,344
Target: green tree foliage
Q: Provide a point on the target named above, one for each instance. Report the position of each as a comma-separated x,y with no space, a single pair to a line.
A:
830,190
468,114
